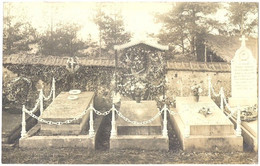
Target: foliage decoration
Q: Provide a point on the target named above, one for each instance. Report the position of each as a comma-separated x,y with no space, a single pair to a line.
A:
141,65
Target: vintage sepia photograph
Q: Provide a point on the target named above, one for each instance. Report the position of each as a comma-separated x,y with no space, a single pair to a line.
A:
128,82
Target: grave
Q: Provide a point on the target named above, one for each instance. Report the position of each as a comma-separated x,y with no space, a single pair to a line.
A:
74,134
197,132
244,89
141,60
243,77
136,136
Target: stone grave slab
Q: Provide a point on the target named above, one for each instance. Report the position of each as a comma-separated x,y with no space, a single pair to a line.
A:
134,136
62,109
213,132
67,135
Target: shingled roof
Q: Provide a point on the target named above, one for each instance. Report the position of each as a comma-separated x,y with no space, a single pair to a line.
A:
54,60
226,47
146,42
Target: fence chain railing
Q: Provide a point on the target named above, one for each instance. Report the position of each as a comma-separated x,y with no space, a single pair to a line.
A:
136,122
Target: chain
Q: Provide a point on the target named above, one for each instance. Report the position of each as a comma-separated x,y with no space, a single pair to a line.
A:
100,113
171,112
56,123
138,123
47,98
35,107
214,93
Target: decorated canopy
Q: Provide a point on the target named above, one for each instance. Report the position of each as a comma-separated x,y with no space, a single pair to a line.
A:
145,42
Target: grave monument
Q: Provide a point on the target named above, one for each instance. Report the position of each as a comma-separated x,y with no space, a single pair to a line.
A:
244,89
65,122
243,77
135,134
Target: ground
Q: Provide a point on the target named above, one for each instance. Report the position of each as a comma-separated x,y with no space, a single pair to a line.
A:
102,155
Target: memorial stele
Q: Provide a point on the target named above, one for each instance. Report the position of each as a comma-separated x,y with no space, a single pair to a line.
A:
243,77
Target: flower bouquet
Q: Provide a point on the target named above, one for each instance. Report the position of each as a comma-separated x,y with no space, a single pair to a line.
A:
196,90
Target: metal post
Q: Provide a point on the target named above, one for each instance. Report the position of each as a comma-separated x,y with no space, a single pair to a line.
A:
113,130
53,89
23,132
41,102
209,86
165,131
238,129
91,122
222,99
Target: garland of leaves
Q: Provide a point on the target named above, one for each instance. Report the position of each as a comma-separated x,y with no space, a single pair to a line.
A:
86,78
142,66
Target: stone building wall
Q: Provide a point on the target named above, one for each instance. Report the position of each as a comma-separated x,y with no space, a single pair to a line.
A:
186,79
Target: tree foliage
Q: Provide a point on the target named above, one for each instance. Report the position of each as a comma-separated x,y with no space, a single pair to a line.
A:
111,30
185,22
244,17
62,41
17,35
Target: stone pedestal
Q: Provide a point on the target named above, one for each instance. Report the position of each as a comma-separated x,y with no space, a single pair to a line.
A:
199,133
134,136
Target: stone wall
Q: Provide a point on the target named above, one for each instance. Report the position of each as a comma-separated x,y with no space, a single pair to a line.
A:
186,79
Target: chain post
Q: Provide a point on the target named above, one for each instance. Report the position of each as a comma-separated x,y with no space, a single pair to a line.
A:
209,86
238,129
91,122
53,89
23,132
113,123
165,131
41,102
221,99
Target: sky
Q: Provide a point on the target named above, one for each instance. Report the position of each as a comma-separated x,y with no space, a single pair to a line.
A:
138,16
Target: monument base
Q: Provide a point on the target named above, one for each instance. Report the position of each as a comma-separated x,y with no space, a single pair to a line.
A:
146,142
249,133
196,132
206,143
37,141
136,136
235,101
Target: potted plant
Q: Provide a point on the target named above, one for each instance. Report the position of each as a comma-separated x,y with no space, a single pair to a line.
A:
196,90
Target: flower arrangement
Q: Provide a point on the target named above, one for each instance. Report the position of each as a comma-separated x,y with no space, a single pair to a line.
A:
196,89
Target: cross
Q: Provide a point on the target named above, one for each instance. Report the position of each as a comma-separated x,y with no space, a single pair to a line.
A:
243,39
72,62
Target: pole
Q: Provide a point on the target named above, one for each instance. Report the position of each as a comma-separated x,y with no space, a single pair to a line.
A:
53,89
91,122
113,123
41,102
222,99
238,129
209,86
116,64
165,131
23,132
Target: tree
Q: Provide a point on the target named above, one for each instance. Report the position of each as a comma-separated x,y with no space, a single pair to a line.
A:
17,35
62,41
244,17
185,22
111,30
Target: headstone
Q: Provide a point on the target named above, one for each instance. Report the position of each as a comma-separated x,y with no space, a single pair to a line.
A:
198,132
243,77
